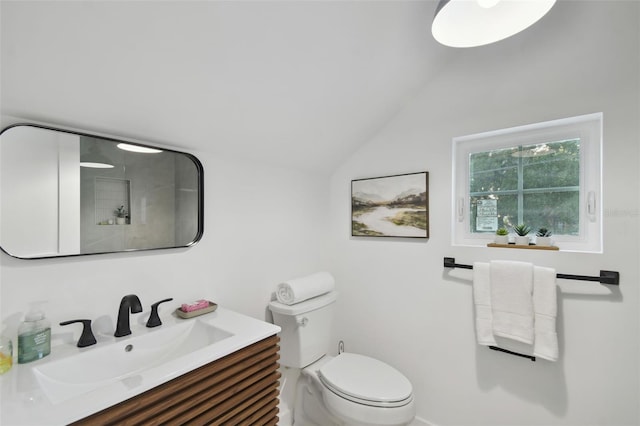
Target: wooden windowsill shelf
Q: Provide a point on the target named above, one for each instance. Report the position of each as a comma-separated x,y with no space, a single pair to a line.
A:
518,246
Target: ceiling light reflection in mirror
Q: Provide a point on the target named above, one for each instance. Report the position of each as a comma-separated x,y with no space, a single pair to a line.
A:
138,148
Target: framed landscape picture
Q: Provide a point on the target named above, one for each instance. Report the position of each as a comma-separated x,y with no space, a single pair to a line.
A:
391,206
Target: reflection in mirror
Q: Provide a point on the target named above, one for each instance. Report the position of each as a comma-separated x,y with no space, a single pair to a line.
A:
65,194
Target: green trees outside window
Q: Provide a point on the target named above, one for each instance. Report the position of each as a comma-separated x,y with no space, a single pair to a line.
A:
534,184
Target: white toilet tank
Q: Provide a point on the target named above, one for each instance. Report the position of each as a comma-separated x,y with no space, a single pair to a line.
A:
306,329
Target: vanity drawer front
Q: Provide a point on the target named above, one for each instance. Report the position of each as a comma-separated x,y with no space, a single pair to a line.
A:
241,388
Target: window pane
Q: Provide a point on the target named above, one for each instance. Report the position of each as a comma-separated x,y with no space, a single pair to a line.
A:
556,211
551,165
507,213
493,170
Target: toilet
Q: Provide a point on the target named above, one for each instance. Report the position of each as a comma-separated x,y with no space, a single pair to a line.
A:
348,389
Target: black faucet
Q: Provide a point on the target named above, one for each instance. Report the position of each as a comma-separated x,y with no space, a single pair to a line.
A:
128,302
87,338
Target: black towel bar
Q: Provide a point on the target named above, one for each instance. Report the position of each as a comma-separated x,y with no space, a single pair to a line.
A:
606,277
495,348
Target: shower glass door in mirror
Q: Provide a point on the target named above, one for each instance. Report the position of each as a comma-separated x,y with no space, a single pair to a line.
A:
66,193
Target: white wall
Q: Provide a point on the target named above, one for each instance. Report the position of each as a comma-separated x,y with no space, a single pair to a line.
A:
398,303
262,225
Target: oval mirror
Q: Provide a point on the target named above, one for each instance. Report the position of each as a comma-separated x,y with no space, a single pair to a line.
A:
65,194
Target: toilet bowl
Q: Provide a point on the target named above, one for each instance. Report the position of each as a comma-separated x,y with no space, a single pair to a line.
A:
364,391
348,389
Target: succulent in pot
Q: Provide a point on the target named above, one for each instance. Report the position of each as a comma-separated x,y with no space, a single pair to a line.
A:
522,234
121,215
502,236
543,232
543,237
121,212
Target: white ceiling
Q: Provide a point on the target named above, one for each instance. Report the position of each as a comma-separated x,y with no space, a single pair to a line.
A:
294,83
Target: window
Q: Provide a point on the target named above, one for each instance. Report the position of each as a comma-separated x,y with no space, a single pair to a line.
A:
546,175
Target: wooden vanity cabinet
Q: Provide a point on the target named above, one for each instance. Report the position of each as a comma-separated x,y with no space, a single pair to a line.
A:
238,389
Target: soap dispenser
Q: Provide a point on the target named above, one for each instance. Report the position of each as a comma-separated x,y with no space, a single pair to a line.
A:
34,337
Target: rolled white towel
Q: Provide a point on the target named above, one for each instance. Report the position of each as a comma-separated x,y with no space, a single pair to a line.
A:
299,289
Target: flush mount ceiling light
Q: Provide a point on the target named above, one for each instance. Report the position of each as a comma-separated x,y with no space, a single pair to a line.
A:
470,23
138,148
94,165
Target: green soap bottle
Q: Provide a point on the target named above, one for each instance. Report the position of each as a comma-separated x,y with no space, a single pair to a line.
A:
34,337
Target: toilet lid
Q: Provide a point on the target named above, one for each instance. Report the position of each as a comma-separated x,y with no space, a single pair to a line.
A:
366,380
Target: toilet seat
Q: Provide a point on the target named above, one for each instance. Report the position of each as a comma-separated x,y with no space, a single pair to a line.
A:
366,381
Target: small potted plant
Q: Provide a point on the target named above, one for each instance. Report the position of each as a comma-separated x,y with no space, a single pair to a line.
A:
121,215
543,237
522,234
502,236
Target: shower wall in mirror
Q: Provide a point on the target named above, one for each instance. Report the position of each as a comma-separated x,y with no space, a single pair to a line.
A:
65,193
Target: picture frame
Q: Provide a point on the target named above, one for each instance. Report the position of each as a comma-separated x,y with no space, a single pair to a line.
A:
391,206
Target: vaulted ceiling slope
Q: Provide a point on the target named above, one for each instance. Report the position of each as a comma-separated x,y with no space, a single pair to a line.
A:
293,83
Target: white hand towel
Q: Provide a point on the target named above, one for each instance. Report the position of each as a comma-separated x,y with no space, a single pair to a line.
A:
300,289
546,309
511,300
482,302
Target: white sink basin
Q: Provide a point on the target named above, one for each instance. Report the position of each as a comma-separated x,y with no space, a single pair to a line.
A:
124,359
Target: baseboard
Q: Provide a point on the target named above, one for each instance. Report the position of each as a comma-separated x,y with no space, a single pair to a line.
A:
419,421
285,419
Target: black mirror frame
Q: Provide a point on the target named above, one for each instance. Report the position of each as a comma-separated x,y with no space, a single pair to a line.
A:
196,162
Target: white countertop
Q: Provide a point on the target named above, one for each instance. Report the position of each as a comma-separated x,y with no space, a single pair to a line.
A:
23,402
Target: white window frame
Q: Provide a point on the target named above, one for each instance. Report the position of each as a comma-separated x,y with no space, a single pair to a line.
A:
586,127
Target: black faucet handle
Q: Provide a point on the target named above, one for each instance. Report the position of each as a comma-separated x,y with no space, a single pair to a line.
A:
86,338
154,318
